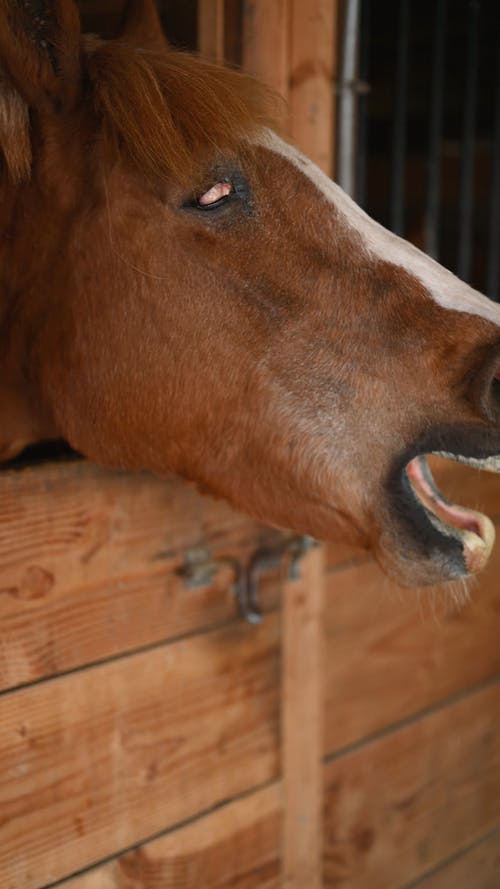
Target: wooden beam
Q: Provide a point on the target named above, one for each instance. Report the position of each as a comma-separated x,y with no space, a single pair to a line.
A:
266,31
211,30
290,46
312,64
302,725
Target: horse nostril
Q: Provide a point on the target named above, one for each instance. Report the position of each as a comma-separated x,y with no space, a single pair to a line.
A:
487,388
481,387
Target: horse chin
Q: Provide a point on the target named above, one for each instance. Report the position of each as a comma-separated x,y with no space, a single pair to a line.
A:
442,541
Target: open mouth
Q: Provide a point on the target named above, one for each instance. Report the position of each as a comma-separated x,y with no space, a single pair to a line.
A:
462,531
437,539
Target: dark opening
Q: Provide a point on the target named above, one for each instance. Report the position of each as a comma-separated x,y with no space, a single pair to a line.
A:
429,129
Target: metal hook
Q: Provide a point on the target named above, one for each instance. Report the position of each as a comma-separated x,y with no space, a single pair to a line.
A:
247,579
200,567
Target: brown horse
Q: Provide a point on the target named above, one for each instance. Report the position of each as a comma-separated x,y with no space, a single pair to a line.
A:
182,291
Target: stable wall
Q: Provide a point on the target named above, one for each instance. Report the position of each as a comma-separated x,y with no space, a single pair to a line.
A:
141,722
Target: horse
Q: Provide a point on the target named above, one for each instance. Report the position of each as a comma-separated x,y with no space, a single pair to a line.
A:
183,291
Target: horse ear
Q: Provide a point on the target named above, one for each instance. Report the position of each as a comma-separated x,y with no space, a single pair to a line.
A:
40,50
141,25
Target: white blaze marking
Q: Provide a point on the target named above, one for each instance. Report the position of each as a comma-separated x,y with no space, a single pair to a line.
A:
444,287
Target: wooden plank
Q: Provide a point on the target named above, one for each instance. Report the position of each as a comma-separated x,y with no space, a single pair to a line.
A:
233,37
266,39
237,846
88,562
94,762
211,30
400,805
476,868
390,656
312,62
302,718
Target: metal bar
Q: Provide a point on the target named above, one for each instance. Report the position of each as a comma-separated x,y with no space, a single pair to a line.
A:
493,274
465,210
364,65
397,209
435,132
347,100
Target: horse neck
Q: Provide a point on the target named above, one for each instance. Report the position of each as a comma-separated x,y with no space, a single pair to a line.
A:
22,419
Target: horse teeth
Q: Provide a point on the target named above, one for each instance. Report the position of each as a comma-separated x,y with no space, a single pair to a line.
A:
477,550
490,464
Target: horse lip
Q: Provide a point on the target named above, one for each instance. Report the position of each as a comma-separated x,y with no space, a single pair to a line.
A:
417,535
474,530
453,554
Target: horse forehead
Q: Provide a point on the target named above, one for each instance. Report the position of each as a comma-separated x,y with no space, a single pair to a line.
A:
443,286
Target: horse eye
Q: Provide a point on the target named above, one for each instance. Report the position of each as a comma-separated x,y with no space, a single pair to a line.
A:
216,194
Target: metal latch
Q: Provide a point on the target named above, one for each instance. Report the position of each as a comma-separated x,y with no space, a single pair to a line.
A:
200,567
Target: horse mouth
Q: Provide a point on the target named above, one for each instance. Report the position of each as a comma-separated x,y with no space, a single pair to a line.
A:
464,536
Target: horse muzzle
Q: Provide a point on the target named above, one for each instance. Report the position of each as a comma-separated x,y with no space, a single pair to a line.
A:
441,540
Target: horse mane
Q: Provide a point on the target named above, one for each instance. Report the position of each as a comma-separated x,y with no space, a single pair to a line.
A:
172,111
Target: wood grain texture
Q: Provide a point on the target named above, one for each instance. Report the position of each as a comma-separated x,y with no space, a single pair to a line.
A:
96,761
312,62
400,805
211,30
476,868
237,846
302,724
89,561
266,42
390,656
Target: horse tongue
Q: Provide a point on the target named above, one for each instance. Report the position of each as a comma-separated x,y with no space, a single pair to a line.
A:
475,530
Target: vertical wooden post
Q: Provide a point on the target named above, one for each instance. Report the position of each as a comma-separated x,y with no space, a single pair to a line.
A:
291,44
302,725
211,30
266,30
313,43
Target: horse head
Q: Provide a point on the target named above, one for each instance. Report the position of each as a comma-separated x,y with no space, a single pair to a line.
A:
183,291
